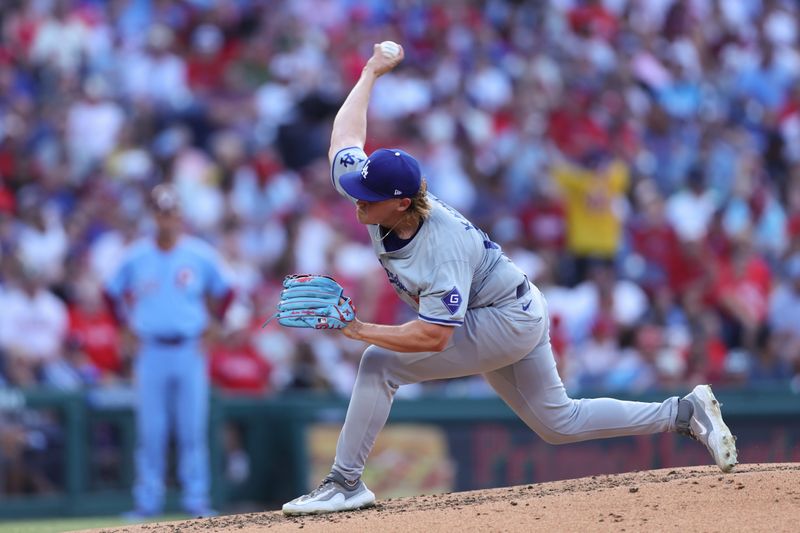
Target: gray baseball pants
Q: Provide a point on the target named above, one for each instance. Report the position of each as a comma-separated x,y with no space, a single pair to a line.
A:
496,342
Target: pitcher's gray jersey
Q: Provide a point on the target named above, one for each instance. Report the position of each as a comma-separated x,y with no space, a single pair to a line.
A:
453,274
450,265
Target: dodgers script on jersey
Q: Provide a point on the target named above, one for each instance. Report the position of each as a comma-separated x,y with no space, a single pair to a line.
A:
448,267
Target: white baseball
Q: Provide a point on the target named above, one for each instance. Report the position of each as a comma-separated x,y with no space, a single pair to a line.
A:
390,49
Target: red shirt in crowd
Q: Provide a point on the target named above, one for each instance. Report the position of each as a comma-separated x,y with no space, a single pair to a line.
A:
793,227
545,224
655,242
707,365
593,20
748,285
207,73
688,268
98,335
576,133
237,367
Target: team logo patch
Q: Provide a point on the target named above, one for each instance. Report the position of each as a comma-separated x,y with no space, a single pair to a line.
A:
452,300
184,277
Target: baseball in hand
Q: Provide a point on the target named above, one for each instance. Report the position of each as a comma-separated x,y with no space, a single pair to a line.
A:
390,49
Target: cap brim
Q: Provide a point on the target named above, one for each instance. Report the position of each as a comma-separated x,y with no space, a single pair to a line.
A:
352,185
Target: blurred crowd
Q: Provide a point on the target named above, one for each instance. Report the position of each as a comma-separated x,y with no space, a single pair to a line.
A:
639,159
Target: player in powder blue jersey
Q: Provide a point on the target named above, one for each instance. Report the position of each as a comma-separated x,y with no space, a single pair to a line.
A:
161,292
477,314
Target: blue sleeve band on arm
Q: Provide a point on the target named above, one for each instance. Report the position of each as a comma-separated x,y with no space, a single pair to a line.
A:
442,321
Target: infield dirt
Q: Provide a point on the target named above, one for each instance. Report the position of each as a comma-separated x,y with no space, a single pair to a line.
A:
753,498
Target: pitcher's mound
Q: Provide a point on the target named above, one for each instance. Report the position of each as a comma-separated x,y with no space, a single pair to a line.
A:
754,497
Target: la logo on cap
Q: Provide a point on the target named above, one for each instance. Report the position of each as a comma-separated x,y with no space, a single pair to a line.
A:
392,173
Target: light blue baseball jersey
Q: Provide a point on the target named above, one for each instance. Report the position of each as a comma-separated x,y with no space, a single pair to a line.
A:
164,291
448,267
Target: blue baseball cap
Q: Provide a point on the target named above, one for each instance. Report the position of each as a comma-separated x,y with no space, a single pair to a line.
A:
388,173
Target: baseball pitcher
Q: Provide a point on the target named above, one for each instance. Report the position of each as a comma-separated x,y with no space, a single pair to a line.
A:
476,314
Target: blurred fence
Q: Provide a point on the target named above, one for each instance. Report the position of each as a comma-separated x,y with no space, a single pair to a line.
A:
268,450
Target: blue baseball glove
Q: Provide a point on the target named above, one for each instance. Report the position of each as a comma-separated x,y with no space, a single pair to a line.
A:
317,302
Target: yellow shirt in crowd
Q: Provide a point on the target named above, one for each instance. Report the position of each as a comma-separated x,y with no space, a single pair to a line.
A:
593,200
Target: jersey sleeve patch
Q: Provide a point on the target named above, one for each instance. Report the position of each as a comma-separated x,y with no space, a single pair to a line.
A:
346,160
452,300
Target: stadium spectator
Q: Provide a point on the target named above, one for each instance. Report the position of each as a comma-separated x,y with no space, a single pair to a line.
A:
741,293
635,369
94,332
235,365
28,465
107,249
33,327
654,244
784,310
60,39
155,75
757,210
93,126
690,209
706,354
41,241
544,220
595,358
594,201
72,371
606,294
767,365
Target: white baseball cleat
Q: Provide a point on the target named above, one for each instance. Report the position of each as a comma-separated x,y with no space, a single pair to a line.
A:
703,422
334,494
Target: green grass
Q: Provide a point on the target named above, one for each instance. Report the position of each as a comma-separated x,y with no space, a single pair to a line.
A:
59,525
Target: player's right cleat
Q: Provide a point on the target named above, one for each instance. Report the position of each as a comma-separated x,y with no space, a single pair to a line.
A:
700,418
334,494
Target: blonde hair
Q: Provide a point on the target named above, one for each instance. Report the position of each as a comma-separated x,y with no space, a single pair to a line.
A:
420,205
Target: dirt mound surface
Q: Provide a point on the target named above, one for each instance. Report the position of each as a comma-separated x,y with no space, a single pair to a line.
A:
755,497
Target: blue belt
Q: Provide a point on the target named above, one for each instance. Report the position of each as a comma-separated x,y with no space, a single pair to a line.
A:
523,288
170,340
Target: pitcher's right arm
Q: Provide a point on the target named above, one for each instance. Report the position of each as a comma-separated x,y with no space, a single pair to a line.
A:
350,124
